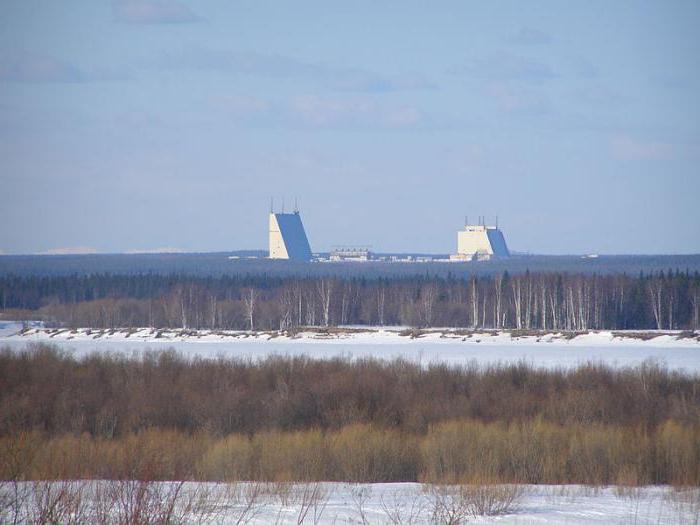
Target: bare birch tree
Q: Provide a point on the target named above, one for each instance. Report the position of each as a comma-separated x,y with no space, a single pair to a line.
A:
325,290
250,298
655,289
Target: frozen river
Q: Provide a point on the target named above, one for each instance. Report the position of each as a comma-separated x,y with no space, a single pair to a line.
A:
549,350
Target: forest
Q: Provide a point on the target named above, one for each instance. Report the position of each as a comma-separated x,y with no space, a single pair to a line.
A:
526,301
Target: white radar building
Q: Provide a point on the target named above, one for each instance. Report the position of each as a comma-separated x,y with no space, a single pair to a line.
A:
288,238
480,242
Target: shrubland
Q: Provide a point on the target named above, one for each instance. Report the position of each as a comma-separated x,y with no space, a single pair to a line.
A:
162,416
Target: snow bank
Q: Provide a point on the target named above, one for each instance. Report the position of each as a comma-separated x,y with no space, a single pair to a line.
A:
674,349
371,335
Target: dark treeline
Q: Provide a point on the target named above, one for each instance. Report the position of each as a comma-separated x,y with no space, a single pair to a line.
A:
168,417
219,264
546,301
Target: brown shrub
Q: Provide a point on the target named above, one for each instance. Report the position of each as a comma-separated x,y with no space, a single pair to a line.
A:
362,453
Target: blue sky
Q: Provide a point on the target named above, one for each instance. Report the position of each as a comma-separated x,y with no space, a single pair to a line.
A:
138,125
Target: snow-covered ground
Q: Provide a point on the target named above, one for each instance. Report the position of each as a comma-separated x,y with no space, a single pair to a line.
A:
674,350
340,503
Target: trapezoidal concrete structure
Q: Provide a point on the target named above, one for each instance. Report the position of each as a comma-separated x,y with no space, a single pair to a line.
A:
288,238
481,243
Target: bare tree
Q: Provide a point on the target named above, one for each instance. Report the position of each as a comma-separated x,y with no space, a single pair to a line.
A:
695,302
498,296
250,298
475,303
212,311
381,301
428,298
543,303
286,304
517,302
345,302
655,290
325,290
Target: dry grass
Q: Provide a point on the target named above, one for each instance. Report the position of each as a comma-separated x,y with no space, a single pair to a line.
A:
456,504
540,452
455,452
129,502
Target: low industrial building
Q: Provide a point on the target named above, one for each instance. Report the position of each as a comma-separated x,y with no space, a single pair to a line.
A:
351,253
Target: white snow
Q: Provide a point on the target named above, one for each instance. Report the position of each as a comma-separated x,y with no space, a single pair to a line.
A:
339,503
439,345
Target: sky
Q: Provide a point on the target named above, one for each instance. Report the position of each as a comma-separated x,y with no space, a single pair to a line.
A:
144,125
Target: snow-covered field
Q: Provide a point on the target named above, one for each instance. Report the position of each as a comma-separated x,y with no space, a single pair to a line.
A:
338,503
673,349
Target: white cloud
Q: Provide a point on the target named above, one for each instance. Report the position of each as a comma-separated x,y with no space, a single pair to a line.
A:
340,110
404,116
627,148
520,100
529,36
360,80
244,106
152,12
273,65
326,111
505,67
583,67
26,67
29,67
599,95
72,250
236,62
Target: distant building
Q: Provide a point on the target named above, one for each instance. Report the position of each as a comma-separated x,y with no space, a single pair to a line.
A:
288,238
347,253
479,242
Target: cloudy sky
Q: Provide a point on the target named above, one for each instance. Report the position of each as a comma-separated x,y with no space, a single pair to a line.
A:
143,124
